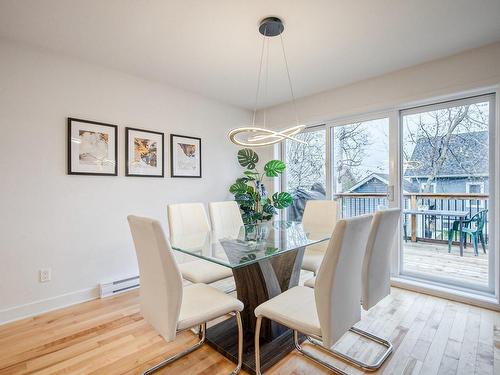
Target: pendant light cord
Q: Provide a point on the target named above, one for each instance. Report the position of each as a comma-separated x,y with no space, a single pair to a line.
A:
258,78
267,81
289,81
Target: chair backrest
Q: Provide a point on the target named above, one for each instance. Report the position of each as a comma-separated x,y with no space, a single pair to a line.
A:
338,284
320,216
377,260
186,219
161,280
480,219
226,219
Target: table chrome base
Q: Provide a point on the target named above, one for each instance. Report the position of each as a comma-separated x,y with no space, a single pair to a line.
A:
203,330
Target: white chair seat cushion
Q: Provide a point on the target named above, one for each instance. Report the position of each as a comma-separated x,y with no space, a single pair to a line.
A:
202,303
313,256
310,283
203,271
295,308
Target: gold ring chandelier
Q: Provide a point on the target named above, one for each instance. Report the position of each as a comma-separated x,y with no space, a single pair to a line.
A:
254,136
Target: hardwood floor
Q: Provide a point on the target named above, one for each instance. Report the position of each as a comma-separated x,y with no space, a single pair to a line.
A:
430,335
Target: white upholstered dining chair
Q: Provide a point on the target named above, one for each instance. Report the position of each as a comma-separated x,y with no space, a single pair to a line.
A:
327,312
375,277
225,218
165,304
319,218
185,219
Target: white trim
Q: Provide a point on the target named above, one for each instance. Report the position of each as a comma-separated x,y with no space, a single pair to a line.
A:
494,191
366,179
423,186
460,295
469,184
27,310
449,175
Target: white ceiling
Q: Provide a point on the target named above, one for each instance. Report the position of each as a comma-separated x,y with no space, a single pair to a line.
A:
212,47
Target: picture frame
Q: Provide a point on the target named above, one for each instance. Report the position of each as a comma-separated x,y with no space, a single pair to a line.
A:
144,153
185,156
92,148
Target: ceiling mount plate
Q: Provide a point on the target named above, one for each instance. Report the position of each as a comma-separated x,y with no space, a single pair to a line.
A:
271,26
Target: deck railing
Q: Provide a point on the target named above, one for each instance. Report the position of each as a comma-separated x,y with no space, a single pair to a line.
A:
432,228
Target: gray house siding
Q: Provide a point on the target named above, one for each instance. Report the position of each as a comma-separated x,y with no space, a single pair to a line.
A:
454,184
372,186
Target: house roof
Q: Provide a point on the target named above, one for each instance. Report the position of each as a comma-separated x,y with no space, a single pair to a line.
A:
467,156
408,186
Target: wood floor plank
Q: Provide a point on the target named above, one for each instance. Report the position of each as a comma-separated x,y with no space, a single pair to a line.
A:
467,361
101,337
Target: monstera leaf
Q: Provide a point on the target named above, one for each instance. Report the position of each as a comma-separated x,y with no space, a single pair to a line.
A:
244,200
282,200
274,168
247,158
251,176
239,187
269,209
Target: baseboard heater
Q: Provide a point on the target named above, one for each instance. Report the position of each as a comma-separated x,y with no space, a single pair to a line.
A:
118,286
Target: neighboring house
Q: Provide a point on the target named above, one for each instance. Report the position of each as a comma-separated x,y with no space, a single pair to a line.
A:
465,169
378,182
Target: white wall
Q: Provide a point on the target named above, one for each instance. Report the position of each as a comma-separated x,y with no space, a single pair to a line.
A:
469,70
77,225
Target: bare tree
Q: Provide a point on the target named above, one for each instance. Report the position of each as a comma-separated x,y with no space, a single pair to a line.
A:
437,128
306,162
351,142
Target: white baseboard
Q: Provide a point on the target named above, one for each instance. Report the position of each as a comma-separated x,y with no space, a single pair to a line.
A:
470,298
53,303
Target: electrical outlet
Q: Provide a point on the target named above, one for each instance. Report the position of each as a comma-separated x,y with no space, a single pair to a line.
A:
45,275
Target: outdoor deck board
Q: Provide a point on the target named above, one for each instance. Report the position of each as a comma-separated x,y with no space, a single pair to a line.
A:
434,259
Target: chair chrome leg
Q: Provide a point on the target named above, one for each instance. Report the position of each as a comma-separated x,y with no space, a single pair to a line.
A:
365,366
312,357
240,344
181,354
257,345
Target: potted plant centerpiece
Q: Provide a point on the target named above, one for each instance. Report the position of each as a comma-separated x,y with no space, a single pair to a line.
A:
250,192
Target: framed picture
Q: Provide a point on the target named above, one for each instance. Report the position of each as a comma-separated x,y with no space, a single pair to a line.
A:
92,148
144,153
185,156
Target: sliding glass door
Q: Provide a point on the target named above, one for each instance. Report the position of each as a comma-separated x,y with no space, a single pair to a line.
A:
435,162
446,157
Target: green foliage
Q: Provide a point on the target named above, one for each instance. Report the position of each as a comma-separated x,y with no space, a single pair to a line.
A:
249,191
239,187
248,158
282,200
274,168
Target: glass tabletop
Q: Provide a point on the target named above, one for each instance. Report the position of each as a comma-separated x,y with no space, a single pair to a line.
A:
247,244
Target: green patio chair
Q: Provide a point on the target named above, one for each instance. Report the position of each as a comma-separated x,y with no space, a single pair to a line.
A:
473,227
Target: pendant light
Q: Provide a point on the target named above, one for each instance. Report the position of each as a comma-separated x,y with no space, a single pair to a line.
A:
254,136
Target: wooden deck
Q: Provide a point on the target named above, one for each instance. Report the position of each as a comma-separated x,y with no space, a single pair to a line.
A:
434,260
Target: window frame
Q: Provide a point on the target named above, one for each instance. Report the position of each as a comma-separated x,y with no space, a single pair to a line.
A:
479,183
491,298
492,288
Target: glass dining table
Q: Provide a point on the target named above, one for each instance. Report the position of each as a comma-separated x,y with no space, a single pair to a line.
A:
265,260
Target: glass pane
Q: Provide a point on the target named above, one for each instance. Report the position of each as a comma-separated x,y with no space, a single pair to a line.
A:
250,244
445,189
361,166
305,171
